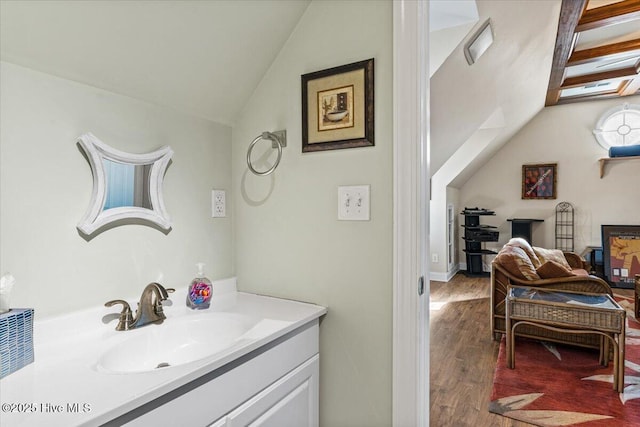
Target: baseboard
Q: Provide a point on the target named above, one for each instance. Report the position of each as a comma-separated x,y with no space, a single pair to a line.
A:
485,267
444,277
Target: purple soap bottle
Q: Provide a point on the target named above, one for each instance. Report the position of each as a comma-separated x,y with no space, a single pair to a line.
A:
199,295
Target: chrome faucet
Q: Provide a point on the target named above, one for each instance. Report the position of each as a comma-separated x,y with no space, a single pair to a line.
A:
149,308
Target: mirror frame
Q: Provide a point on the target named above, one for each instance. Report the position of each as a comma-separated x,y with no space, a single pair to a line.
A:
95,217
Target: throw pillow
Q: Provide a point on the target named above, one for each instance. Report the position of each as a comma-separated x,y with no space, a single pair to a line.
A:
515,261
526,247
552,270
551,255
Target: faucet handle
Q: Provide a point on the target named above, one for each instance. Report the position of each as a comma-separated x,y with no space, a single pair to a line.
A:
126,317
158,304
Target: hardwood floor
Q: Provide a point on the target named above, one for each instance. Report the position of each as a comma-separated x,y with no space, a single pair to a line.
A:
463,355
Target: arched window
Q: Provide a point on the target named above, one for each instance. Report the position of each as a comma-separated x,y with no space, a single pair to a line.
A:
619,126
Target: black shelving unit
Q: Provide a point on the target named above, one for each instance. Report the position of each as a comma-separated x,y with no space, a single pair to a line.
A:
475,234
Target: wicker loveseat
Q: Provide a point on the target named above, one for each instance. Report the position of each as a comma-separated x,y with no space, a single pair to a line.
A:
520,264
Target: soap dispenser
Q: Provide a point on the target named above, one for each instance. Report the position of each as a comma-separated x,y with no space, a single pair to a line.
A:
199,295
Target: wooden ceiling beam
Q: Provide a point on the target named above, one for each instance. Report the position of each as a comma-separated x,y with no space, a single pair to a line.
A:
574,18
570,12
632,88
577,81
598,53
611,14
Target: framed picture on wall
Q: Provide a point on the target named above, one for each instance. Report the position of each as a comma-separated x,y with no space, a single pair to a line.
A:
539,181
621,253
337,107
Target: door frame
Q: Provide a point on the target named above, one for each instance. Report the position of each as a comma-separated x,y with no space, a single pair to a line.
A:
410,393
451,240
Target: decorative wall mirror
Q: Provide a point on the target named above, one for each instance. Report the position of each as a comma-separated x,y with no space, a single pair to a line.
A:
126,187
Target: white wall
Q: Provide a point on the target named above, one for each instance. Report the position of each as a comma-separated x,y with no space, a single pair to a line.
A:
45,188
464,97
560,134
471,121
468,156
288,241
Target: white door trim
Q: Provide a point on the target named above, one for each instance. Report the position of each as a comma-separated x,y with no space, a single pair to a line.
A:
451,237
411,197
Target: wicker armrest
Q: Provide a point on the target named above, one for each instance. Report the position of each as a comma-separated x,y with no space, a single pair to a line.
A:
588,284
576,261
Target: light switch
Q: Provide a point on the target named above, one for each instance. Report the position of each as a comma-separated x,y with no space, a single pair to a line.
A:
353,203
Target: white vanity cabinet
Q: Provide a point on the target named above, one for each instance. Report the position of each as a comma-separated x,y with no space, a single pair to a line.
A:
273,386
290,401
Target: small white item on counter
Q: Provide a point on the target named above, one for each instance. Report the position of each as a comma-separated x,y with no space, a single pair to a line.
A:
6,285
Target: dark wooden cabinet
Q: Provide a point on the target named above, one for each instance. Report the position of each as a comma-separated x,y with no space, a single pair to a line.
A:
523,227
475,235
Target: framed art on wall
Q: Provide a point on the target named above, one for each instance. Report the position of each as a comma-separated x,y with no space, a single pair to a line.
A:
338,107
621,254
539,181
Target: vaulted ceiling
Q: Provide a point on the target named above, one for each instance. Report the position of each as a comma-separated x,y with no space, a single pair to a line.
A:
203,58
597,52
502,91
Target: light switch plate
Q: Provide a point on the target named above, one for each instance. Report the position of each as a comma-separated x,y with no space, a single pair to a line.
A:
354,203
218,204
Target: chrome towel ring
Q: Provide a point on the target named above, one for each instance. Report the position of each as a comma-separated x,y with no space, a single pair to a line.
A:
278,140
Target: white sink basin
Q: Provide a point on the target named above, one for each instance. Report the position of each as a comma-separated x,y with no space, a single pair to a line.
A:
178,341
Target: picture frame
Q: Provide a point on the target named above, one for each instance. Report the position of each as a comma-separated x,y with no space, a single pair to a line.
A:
539,181
338,107
621,254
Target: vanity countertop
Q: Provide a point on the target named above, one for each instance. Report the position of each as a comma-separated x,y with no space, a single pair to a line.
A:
64,385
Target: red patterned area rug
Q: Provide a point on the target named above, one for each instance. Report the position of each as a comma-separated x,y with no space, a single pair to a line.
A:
556,385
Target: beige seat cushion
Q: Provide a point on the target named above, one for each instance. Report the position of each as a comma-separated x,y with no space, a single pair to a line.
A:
516,261
545,255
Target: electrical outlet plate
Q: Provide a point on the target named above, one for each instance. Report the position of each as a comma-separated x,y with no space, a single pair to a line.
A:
354,203
218,204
